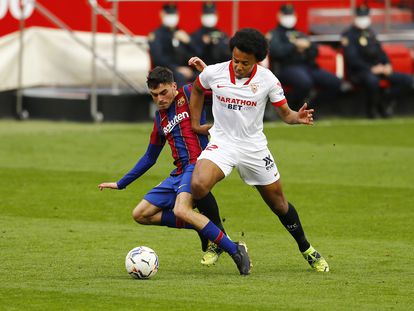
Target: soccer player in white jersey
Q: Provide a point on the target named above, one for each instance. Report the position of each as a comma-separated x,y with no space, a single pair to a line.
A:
241,89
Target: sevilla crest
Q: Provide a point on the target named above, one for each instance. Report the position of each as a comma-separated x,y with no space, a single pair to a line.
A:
254,87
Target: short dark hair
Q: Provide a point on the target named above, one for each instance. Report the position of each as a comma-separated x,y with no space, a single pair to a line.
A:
159,75
250,41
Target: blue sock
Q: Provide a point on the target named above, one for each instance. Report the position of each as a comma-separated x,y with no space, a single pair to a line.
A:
213,233
170,220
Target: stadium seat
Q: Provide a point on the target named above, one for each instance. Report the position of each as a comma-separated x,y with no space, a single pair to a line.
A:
400,58
330,60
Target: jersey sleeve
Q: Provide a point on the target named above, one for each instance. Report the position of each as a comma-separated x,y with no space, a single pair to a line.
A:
204,78
157,142
143,165
276,94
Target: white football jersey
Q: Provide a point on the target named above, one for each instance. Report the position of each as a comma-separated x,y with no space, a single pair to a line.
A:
239,104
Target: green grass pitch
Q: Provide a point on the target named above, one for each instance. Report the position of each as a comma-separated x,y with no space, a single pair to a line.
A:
63,242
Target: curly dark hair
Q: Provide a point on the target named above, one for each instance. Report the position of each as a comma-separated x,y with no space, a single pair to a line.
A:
250,41
159,75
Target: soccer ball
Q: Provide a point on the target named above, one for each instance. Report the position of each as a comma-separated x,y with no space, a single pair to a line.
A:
141,262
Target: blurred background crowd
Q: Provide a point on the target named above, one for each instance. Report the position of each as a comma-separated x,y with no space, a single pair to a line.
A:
349,57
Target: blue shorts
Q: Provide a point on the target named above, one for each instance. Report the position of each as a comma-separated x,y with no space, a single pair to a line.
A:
163,195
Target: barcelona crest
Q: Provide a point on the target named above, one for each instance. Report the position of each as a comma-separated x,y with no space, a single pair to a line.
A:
180,101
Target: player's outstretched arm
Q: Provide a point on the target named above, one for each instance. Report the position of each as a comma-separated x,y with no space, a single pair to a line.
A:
303,116
109,185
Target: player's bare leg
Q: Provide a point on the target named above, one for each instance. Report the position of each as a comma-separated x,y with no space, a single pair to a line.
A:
147,214
205,175
183,209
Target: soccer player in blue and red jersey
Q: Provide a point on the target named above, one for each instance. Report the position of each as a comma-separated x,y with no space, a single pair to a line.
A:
167,204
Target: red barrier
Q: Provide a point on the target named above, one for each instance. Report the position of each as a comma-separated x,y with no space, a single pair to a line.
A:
143,17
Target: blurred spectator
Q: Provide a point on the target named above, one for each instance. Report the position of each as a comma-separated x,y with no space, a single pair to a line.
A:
172,47
211,43
367,63
292,59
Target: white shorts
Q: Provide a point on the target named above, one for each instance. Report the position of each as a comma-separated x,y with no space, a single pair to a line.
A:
256,168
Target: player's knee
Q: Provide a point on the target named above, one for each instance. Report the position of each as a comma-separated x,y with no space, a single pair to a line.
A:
199,189
181,212
138,214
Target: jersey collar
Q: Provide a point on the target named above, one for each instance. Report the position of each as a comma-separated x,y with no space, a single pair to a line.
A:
233,76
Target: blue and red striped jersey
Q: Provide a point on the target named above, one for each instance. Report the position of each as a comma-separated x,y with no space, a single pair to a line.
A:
174,126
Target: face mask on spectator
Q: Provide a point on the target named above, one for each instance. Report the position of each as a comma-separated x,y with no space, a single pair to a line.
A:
362,22
288,21
209,20
170,20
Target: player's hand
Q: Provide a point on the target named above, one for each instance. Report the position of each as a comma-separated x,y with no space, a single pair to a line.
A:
197,63
305,116
110,185
202,129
